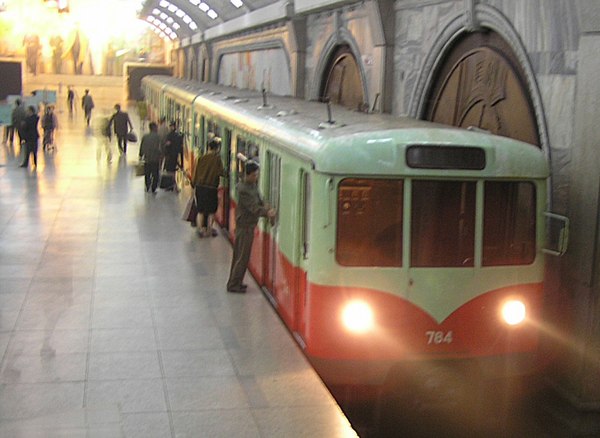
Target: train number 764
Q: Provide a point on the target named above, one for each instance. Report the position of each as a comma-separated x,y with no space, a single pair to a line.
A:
438,337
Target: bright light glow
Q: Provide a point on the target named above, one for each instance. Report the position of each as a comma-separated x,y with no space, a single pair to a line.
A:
514,312
172,8
193,26
212,14
187,19
176,26
156,11
163,16
237,3
203,7
180,13
195,2
164,4
357,317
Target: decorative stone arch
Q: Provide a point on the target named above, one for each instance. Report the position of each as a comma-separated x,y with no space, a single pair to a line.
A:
479,17
340,38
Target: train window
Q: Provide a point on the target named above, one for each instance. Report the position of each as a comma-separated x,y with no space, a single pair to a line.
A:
246,150
445,157
369,222
443,224
509,223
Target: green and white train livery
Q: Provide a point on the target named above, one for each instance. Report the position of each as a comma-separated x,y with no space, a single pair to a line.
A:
396,240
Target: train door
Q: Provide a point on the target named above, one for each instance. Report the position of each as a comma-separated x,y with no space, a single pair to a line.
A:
442,242
270,236
302,254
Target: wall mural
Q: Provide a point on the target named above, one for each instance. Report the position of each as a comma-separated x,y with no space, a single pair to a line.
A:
87,39
255,71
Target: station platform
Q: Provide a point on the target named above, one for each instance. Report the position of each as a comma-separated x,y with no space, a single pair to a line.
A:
114,318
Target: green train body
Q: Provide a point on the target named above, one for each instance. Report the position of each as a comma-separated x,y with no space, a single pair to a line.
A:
396,240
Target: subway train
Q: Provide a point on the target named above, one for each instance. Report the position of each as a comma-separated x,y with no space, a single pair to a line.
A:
397,241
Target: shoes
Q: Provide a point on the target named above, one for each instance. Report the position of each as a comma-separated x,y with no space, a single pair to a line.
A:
237,290
214,233
23,165
243,286
193,224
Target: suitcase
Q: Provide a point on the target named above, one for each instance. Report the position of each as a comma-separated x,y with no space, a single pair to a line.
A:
167,181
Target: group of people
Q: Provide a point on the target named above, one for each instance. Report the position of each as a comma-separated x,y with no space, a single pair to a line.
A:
161,146
205,181
24,126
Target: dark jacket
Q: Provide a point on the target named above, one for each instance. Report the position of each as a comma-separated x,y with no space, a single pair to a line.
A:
121,123
30,128
149,148
18,115
208,170
173,151
250,205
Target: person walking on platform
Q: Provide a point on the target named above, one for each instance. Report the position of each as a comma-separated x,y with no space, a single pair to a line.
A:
17,117
87,103
49,125
173,153
122,125
31,135
151,155
209,169
249,208
70,100
105,134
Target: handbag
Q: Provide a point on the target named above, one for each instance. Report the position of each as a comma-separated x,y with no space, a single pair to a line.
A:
190,211
131,137
140,169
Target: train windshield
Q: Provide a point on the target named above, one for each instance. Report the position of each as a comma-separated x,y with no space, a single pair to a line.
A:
509,223
369,226
443,224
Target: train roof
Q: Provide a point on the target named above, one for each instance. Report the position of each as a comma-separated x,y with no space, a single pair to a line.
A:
352,141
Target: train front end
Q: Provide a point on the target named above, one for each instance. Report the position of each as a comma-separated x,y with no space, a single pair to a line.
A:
440,263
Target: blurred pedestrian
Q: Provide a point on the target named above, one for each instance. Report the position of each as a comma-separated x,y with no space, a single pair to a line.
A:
122,125
70,99
49,125
142,110
31,135
87,103
249,208
208,171
17,117
151,155
173,153
104,133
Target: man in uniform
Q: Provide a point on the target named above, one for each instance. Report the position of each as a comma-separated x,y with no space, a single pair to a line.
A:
249,208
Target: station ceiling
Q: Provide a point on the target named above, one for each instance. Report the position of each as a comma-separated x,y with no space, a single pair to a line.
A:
184,18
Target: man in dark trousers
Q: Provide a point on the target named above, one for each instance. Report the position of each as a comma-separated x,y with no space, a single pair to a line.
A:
150,153
122,125
31,135
249,208
87,103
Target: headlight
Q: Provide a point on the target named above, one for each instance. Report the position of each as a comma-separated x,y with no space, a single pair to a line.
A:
357,317
514,312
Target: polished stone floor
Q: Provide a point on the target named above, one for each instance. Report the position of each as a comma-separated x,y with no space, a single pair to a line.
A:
114,319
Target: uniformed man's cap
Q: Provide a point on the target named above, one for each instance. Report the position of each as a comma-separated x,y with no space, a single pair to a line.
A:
251,167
